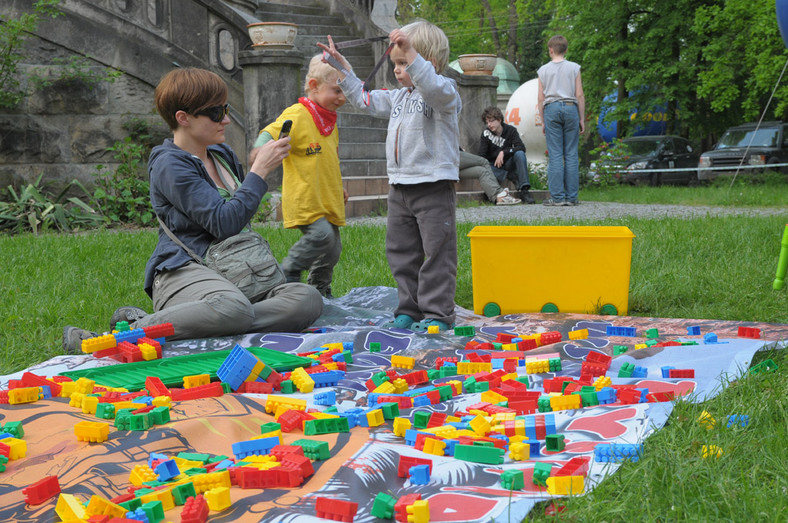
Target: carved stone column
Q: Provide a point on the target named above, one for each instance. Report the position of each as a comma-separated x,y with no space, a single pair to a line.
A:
477,92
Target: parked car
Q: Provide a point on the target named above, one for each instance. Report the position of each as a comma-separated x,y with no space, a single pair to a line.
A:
659,152
748,144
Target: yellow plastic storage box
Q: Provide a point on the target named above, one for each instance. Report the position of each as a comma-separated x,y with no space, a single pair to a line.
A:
582,269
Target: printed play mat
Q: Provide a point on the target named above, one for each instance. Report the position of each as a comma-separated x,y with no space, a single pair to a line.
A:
363,463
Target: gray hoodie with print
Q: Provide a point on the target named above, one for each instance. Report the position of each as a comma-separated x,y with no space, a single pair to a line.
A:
423,140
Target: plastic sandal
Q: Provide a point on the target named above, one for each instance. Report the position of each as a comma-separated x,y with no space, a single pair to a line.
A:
403,321
422,325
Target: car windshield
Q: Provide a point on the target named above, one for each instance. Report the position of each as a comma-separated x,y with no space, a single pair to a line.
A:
642,147
749,137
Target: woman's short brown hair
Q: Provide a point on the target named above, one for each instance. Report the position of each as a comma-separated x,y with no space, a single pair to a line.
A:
190,90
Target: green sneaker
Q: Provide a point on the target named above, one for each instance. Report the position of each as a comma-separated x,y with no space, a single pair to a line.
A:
423,325
403,321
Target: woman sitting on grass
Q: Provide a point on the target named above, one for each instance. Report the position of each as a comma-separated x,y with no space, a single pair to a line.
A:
198,189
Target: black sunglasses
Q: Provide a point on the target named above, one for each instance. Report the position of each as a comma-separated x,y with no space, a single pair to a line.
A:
215,113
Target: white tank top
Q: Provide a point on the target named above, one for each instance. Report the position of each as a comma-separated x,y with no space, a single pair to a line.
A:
558,81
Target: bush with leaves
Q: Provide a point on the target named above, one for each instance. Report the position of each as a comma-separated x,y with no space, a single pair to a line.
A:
608,162
30,210
122,195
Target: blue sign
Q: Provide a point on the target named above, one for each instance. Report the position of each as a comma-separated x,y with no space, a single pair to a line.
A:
649,123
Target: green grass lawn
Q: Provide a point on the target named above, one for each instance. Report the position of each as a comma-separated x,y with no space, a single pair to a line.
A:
703,268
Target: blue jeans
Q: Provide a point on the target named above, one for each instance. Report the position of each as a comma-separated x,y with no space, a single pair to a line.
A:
562,132
516,169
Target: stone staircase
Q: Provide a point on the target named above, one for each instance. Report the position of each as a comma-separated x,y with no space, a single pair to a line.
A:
361,137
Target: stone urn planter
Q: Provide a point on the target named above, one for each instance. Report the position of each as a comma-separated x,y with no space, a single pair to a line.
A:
272,34
477,64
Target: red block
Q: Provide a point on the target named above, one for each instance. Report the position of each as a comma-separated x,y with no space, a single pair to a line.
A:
256,387
288,476
526,344
128,353
156,387
41,490
195,510
33,380
298,462
422,438
335,509
153,343
436,420
546,338
749,332
416,377
159,331
440,362
404,402
406,462
504,338
524,406
210,390
681,373
292,419
577,466
402,504
251,477
598,357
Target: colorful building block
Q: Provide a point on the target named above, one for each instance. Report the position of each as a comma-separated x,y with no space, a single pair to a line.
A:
41,490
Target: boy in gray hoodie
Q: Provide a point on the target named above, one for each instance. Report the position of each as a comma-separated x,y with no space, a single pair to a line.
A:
422,160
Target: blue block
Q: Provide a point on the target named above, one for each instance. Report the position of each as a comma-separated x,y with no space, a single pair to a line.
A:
131,336
237,367
737,419
347,345
225,464
419,391
352,416
710,338
639,372
501,437
606,395
693,330
138,515
46,392
166,470
410,437
621,331
256,447
450,444
549,424
535,447
497,363
421,401
666,371
326,398
419,474
327,379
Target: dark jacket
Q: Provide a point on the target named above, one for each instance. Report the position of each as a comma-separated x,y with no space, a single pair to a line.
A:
186,199
509,141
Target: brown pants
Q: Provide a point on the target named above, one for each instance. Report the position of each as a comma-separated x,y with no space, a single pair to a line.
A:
421,248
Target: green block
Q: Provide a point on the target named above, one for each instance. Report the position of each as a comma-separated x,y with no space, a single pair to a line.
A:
105,410
522,379
15,429
589,399
226,388
194,456
541,473
132,504
652,333
447,371
497,345
326,426
513,480
690,342
182,492
446,392
154,510
764,366
347,356
479,454
314,449
287,387
482,386
266,372
270,427
554,442
619,349
332,408
380,378
195,470
374,346
123,419
216,459
543,404
160,415
421,418
651,343
433,374
468,330
383,507
555,364
626,370
390,410
140,421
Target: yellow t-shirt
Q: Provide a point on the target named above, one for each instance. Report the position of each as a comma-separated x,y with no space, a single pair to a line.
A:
312,182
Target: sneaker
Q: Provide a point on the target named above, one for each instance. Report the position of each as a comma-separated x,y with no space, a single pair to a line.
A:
425,324
526,196
129,314
572,203
552,203
504,198
403,321
72,339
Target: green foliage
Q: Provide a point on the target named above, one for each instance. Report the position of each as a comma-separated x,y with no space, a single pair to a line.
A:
13,33
75,70
30,210
122,195
607,161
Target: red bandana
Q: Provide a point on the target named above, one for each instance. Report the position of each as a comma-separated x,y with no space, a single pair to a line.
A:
324,119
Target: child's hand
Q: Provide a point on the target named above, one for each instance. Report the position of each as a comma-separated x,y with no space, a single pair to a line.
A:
400,39
269,156
331,51
347,196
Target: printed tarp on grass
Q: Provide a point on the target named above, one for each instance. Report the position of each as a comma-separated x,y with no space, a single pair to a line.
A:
364,461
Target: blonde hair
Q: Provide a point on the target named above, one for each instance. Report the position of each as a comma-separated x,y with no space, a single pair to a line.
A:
320,71
430,42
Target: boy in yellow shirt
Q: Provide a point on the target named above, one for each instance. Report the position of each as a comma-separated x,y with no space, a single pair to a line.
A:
313,198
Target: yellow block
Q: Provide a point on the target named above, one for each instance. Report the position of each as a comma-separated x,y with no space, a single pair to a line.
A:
400,426
18,448
218,498
23,395
490,396
480,425
553,252
375,418
565,485
85,385
89,404
196,380
69,507
99,506
163,495
580,334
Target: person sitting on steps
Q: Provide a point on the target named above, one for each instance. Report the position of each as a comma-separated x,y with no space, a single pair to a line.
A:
501,145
